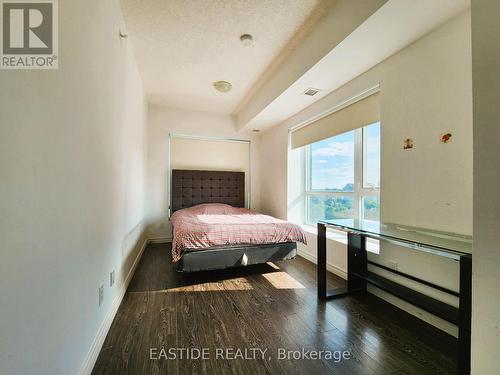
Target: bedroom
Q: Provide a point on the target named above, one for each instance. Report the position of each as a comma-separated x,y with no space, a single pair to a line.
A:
369,111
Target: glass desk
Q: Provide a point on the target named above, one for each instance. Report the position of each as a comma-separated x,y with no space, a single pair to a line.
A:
450,245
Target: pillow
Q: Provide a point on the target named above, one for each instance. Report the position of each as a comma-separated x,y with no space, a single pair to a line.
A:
212,209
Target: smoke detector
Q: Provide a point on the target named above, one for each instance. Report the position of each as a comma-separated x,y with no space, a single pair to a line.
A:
246,40
223,86
311,91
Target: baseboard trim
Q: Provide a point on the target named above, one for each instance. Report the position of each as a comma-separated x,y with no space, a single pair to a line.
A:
91,358
330,267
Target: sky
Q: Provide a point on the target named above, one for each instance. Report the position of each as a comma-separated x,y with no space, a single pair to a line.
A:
332,160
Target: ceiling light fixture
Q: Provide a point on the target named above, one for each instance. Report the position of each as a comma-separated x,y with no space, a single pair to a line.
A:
246,40
223,86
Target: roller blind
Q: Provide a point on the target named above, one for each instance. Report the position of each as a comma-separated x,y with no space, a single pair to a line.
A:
361,113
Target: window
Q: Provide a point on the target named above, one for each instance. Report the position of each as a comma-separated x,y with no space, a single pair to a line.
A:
343,176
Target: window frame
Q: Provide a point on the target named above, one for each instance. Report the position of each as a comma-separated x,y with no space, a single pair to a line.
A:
364,161
360,190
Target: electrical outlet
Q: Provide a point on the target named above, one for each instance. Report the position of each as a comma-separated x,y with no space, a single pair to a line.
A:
101,294
111,278
393,264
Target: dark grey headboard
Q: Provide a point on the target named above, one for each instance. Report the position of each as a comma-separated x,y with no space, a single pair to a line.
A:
190,187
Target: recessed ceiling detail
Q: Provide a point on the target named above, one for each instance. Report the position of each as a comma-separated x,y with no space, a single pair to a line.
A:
387,30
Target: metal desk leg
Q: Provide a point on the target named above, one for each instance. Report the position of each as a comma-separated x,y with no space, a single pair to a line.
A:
356,265
321,261
356,262
465,311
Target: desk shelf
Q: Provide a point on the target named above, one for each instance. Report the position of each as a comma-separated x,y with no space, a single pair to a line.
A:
432,305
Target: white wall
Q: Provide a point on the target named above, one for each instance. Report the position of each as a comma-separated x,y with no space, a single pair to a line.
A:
486,259
212,155
162,122
425,91
72,167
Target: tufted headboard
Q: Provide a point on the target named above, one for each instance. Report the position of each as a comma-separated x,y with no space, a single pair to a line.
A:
190,188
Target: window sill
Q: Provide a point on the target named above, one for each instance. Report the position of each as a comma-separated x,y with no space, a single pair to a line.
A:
331,234
372,246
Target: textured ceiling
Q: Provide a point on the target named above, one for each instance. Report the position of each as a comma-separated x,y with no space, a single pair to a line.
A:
183,46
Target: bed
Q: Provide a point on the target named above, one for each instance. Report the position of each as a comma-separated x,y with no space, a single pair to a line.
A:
213,230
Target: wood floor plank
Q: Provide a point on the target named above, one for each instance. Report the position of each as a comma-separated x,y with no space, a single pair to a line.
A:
270,306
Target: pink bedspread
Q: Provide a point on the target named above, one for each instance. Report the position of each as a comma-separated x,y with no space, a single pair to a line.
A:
213,224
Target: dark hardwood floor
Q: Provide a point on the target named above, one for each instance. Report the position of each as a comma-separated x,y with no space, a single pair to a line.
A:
262,307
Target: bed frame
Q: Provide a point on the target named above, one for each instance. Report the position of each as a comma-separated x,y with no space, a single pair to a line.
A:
193,187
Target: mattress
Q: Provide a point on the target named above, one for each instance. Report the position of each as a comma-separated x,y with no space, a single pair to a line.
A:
212,225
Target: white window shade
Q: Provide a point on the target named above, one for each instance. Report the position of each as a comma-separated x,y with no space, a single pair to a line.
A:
361,113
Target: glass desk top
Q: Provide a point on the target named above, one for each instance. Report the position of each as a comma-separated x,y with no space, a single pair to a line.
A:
417,238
